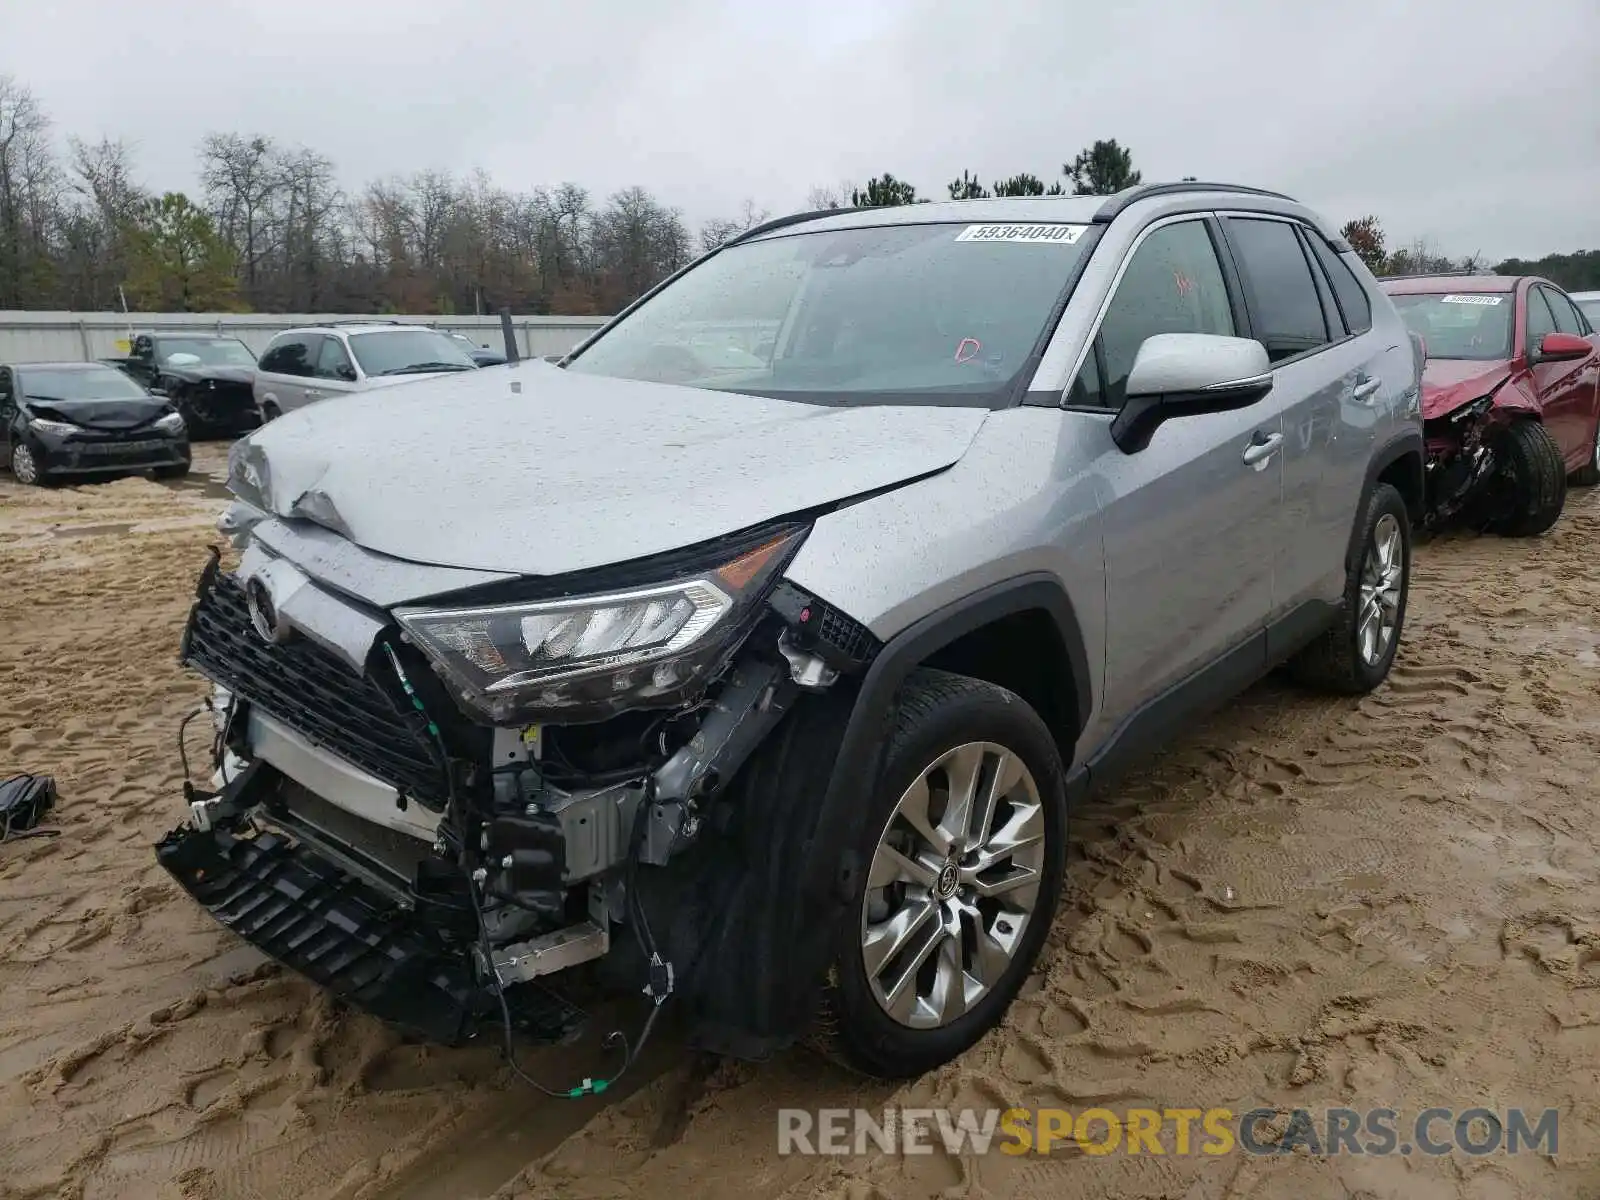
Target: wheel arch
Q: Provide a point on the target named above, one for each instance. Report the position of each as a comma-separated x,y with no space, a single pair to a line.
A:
1399,463
1000,615
756,977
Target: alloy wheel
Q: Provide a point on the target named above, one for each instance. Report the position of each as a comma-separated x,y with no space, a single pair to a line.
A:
1382,577
23,465
953,885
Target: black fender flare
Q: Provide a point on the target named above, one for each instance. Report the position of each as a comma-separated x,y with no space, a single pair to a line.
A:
809,856
857,761
1407,441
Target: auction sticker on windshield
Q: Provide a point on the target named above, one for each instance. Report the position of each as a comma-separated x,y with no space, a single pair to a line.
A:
1471,299
1063,235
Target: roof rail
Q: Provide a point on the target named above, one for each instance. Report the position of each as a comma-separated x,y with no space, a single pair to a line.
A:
791,219
366,321
1119,201
1434,275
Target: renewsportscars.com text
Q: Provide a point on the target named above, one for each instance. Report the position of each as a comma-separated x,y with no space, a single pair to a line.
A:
1168,1131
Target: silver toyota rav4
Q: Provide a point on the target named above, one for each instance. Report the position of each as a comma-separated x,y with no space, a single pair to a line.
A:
754,654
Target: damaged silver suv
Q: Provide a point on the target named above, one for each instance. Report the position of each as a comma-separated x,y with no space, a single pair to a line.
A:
753,654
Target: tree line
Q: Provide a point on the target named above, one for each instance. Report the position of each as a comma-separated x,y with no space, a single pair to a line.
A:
1576,272
270,229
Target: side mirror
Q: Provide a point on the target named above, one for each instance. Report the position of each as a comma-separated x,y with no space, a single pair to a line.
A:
346,372
1562,347
1188,375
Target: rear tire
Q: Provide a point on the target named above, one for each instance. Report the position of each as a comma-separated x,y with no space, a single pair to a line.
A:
1589,474
972,940
1355,655
1537,478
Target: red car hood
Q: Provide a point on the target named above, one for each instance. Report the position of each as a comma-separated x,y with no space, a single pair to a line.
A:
1448,383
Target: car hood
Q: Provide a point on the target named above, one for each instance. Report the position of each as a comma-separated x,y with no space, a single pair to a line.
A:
533,470
384,381
1448,383
219,374
99,414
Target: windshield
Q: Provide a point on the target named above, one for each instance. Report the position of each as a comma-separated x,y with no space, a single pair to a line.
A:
899,314
1474,325
79,383
210,352
408,352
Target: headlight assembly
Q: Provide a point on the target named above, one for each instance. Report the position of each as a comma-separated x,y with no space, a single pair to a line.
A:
1473,408
585,657
57,428
171,423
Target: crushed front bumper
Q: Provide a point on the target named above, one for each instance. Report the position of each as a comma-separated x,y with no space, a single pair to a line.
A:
300,908
78,456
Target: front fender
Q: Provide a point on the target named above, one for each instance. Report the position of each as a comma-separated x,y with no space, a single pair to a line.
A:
1517,399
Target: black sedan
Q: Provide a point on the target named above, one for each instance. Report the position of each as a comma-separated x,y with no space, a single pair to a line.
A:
481,355
76,419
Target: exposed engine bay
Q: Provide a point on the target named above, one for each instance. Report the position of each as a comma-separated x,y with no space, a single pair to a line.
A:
439,866
1461,460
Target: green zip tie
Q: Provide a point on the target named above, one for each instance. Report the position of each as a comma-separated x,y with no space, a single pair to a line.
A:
405,683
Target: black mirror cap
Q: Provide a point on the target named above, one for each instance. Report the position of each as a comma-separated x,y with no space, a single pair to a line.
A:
1136,424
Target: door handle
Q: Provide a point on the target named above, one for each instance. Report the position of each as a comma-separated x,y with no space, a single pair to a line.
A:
1365,388
313,391
1261,448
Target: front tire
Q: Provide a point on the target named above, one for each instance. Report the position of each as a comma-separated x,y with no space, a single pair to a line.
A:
25,466
1355,655
172,471
1534,481
966,846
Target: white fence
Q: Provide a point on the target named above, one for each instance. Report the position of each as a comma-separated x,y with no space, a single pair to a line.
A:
81,336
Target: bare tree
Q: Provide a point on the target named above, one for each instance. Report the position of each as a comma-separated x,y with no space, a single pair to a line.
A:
837,196
243,179
720,230
275,230
29,188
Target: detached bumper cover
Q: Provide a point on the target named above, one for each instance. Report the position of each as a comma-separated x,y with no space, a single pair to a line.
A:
348,937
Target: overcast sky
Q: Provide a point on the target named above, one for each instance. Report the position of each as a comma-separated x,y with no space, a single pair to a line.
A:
1473,123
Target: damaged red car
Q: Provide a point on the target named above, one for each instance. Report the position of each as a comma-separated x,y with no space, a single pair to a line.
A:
1510,397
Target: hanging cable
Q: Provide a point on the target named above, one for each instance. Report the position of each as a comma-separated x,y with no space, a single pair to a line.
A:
661,981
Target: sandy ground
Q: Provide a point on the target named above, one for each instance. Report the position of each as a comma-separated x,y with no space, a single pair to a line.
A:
1386,902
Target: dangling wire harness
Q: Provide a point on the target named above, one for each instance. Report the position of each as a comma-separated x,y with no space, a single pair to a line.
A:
661,980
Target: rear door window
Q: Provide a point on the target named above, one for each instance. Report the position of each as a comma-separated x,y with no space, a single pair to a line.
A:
1284,305
1567,318
291,354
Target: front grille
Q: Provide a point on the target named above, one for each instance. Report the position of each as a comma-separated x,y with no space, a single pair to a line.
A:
107,449
311,691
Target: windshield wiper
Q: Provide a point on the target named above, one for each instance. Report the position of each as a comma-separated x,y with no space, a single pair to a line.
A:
417,368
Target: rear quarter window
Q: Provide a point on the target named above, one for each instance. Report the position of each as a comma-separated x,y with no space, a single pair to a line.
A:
1352,297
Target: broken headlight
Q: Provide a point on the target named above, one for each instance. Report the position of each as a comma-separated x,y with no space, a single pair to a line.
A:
585,657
